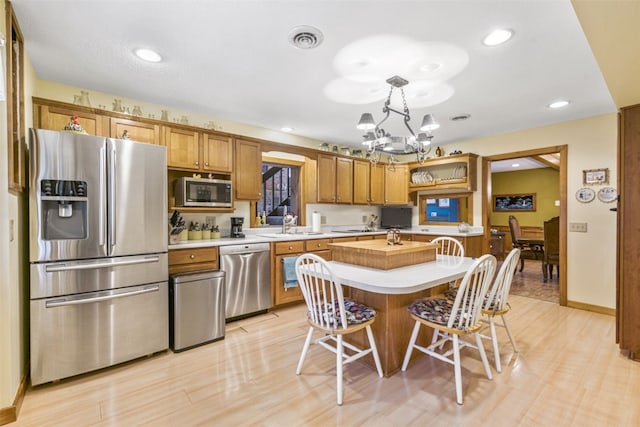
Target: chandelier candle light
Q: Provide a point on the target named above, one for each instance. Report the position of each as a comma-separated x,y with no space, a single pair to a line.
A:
376,138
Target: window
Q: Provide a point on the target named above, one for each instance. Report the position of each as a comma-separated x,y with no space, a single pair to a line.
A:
445,209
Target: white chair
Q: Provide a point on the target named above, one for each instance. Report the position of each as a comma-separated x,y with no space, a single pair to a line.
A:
334,316
448,246
461,317
496,302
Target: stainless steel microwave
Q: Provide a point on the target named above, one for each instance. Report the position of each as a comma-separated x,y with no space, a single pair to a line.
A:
202,192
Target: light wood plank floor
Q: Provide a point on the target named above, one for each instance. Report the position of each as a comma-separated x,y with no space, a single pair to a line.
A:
568,372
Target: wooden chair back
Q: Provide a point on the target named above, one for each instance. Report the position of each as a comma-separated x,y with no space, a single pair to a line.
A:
552,240
474,286
514,229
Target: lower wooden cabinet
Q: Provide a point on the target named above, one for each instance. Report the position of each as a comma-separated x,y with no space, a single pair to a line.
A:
194,259
472,244
282,250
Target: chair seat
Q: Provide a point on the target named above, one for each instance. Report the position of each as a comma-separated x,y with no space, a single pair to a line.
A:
355,312
451,294
434,310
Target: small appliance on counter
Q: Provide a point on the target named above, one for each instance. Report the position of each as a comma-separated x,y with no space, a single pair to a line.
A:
236,227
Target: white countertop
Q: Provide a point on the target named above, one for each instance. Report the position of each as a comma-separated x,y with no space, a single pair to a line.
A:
262,235
403,280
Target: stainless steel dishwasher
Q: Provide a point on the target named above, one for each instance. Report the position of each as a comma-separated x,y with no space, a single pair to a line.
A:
248,279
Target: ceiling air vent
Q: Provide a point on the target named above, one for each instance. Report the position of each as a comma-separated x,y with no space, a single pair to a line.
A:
305,37
460,117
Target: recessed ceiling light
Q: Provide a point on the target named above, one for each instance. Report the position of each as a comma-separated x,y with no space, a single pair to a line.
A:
286,129
497,37
558,104
148,55
515,165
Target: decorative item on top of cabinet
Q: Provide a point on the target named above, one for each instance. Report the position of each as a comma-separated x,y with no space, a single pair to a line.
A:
453,172
56,118
248,170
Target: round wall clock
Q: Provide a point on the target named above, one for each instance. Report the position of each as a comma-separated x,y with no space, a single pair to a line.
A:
585,195
607,194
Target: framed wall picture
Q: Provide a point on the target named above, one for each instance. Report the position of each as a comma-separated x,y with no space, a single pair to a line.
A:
595,176
514,202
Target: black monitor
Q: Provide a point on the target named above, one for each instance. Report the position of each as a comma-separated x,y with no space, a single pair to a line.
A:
395,217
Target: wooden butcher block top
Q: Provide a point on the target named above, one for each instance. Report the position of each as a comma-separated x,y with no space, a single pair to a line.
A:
379,254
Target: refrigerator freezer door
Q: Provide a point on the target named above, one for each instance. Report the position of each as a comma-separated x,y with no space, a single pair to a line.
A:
81,333
137,198
56,232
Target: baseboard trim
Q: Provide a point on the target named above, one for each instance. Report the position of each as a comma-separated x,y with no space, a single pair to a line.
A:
590,307
10,413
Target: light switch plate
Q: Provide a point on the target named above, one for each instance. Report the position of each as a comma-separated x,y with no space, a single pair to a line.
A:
580,227
11,230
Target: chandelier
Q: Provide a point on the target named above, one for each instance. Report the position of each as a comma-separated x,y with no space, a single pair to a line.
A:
378,140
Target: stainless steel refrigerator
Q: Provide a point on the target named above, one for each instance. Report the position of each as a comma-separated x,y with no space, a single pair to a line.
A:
98,252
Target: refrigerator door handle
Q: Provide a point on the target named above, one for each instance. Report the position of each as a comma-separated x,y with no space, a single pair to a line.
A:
112,197
101,211
89,300
93,265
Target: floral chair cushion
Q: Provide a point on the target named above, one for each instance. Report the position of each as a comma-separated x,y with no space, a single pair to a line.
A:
355,312
451,294
435,310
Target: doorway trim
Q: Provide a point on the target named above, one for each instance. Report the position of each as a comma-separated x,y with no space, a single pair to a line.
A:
486,203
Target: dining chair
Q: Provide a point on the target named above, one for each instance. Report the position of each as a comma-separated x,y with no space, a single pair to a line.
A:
551,248
496,303
448,246
526,251
333,315
458,318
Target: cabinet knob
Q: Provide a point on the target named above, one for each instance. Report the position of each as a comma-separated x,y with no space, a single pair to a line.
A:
192,256
206,163
318,245
196,163
290,247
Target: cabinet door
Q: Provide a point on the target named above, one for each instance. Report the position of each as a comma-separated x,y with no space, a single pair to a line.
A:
284,295
326,178
361,182
182,148
217,153
248,170
376,184
136,131
344,183
396,185
55,118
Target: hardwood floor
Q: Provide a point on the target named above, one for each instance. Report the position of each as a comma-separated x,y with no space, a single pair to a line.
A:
569,372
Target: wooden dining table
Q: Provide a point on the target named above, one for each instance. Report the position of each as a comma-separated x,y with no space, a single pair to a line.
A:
389,292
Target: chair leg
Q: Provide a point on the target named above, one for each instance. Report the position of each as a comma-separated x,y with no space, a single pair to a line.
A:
544,272
506,327
305,348
374,350
494,341
339,366
412,341
483,356
521,264
457,370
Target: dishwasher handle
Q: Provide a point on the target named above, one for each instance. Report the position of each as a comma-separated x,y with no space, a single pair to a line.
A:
244,249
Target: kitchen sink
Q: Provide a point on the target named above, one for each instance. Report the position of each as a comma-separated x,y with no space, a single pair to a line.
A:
285,235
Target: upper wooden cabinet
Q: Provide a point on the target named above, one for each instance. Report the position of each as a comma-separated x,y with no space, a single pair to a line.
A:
134,130
183,149
56,118
326,181
456,172
396,184
344,180
248,170
217,153
368,183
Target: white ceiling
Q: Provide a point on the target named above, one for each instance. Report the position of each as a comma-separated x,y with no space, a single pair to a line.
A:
232,60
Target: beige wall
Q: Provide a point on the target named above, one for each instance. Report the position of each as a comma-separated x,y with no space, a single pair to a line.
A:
544,183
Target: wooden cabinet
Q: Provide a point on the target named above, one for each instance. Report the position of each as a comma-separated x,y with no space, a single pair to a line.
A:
496,244
183,149
457,172
56,118
628,268
472,244
368,183
217,153
282,250
326,181
344,180
396,187
248,170
194,259
134,130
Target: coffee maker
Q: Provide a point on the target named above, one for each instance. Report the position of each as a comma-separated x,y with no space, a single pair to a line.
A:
236,226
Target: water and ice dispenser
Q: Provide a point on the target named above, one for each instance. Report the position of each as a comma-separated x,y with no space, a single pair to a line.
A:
64,209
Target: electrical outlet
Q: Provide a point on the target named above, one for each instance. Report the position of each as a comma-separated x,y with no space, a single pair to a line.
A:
323,219
580,227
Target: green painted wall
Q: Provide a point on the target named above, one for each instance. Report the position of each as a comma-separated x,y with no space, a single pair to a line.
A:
545,183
